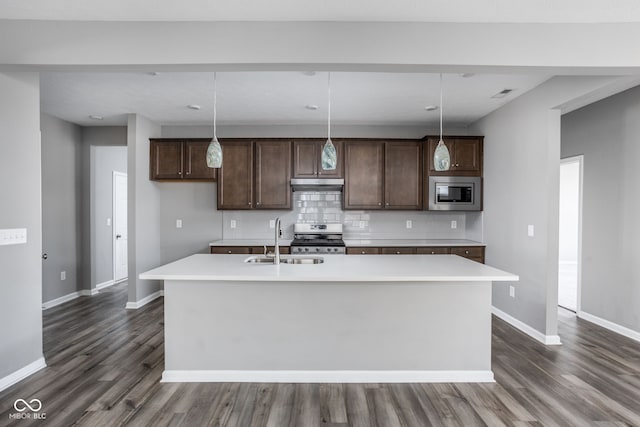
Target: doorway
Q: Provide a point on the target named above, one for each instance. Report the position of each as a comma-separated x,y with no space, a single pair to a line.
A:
120,266
570,239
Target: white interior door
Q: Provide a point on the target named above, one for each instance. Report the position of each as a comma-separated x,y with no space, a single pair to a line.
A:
119,226
570,233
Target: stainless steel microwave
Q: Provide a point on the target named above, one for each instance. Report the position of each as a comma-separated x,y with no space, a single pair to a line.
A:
455,193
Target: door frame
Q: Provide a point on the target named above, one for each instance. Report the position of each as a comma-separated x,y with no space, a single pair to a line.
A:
113,224
580,160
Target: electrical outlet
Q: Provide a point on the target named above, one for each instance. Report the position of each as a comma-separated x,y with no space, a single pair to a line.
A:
361,224
108,222
233,223
454,224
63,275
272,223
178,223
409,223
512,291
530,231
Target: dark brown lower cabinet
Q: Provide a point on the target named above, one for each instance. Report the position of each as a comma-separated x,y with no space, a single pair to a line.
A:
474,253
254,250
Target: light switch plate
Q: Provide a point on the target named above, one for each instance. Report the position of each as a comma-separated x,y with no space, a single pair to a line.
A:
512,291
108,222
409,223
454,224
272,223
63,275
13,236
233,223
178,223
530,230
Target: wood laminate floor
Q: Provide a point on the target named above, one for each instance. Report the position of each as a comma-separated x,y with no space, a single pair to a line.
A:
105,363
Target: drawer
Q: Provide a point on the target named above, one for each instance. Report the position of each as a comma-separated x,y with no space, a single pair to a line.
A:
398,251
469,252
259,250
230,250
363,251
432,250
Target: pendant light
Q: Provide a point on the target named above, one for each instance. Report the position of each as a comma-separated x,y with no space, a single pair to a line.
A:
214,150
441,157
329,158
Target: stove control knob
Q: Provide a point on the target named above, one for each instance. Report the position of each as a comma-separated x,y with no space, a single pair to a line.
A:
317,249
306,249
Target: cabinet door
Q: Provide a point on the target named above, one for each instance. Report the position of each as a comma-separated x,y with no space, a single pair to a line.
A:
165,160
195,161
363,251
338,172
475,253
465,152
468,156
403,175
432,250
230,249
273,175
305,159
235,178
364,164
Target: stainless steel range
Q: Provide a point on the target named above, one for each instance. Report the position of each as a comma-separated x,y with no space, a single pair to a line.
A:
317,239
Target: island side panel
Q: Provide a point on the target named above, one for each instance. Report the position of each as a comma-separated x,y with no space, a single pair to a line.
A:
320,326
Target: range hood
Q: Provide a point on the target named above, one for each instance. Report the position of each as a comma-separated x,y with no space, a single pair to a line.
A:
317,184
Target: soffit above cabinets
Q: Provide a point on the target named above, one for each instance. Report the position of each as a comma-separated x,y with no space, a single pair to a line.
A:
258,98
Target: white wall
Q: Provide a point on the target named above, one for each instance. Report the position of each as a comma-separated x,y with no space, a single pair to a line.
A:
61,207
521,182
144,207
607,134
20,193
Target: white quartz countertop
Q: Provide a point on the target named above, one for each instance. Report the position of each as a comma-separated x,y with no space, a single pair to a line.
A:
336,268
357,242
249,242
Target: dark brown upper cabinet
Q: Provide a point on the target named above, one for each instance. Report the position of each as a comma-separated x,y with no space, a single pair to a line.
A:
307,155
273,174
255,175
403,175
363,175
179,160
383,175
465,152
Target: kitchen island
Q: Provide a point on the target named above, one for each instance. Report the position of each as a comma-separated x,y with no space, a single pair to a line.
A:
416,318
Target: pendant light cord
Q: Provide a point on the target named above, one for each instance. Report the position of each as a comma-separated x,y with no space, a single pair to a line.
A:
440,106
215,105
329,107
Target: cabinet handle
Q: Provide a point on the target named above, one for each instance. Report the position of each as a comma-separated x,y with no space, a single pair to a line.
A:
249,203
433,252
258,203
363,252
466,252
397,252
229,252
379,204
180,173
387,204
188,173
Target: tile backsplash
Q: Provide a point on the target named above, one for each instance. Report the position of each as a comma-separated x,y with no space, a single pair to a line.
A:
326,207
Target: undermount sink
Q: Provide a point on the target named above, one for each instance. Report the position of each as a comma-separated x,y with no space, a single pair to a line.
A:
284,260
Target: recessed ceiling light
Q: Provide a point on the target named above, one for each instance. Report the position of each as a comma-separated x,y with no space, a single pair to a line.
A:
311,107
95,117
431,107
193,106
467,75
502,93
309,73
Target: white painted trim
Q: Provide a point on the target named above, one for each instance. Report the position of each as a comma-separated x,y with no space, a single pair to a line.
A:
105,284
170,376
144,301
120,281
55,302
619,329
22,373
533,333
89,292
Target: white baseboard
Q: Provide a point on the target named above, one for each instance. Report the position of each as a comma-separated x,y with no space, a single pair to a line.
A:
144,301
55,302
105,284
170,376
23,373
619,329
162,292
533,333
89,292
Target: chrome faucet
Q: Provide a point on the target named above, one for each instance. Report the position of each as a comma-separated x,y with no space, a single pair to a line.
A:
276,246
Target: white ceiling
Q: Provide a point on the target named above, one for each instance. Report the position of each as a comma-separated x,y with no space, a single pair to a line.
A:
276,97
519,11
